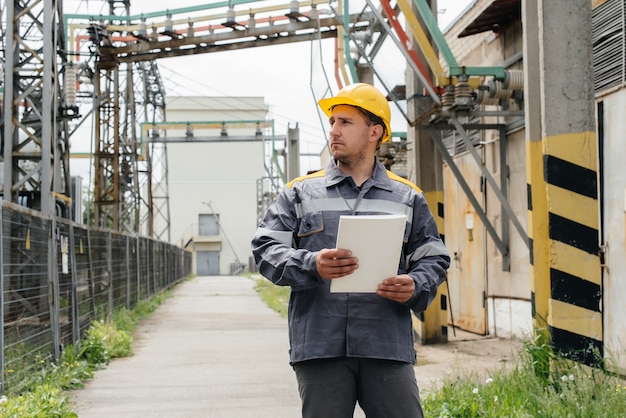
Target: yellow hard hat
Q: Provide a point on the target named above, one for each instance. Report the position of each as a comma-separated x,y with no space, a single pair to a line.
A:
366,97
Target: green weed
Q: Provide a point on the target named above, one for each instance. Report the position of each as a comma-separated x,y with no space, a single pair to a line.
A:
276,297
40,392
44,401
104,342
541,384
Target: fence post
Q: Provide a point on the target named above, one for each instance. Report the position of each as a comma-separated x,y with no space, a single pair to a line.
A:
148,269
127,272
2,298
92,290
53,288
75,314
138,263
110,273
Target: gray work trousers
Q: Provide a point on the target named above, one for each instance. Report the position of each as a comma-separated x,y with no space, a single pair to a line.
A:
330,388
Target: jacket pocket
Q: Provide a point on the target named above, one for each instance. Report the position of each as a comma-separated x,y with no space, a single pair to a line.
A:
311,223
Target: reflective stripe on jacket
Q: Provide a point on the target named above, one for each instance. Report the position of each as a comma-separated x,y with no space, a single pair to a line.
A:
304,220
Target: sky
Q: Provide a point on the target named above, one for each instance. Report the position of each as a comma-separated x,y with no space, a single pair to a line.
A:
282,74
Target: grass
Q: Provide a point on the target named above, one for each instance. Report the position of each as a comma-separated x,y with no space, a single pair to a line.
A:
539,384
276,297
45,395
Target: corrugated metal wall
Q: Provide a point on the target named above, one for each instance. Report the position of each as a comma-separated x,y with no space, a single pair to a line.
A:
609,53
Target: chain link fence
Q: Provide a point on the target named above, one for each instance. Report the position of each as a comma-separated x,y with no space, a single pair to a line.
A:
59,276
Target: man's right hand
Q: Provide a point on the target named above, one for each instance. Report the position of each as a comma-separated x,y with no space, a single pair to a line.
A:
335,263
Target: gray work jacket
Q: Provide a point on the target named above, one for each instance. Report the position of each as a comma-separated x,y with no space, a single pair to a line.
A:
304,220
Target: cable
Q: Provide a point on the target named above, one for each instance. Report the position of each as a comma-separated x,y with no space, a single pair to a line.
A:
309,134
323,122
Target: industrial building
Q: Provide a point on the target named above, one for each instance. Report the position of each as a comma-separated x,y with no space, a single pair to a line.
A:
510,121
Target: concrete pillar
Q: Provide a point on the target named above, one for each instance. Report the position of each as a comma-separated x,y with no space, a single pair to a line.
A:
293,153
562,175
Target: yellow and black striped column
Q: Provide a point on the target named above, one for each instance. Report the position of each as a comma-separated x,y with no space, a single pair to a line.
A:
431,326
562,174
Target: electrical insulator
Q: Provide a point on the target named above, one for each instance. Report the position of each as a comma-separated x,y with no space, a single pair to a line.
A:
294,6
483,97
169,24
497,90
462,91
513,80
143,30
70,86
230,15
447,98
190,31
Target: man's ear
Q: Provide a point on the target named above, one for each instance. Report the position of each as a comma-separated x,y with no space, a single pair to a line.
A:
377,132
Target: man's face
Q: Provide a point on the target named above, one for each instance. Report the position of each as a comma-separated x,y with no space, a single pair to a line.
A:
352,135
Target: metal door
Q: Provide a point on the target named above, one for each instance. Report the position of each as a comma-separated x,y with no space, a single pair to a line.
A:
207,263
613,178
465,239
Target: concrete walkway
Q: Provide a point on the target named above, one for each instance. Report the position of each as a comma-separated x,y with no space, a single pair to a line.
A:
213,350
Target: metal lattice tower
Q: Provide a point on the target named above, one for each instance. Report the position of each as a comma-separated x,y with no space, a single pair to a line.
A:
153,168
126,95
116,190
35,113
130,180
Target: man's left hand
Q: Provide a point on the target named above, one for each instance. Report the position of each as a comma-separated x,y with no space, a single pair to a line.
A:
398,288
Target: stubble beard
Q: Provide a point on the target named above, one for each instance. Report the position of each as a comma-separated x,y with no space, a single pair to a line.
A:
348,161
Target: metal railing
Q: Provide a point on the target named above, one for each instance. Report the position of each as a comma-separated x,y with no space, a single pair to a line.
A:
58,276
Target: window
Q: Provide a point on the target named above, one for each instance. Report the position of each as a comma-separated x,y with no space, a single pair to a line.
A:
209,224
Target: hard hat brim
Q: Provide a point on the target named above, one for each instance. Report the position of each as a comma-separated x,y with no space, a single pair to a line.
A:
329,103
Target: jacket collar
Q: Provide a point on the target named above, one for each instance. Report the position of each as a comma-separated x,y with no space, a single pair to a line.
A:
379,176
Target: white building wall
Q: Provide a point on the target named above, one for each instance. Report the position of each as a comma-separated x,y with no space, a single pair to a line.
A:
220,174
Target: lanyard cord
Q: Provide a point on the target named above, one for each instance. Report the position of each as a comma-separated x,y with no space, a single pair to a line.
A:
362,191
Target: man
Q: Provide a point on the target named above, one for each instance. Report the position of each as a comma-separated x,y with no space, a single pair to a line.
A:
351,347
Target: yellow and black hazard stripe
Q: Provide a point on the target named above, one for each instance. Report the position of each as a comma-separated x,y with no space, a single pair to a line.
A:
572,279
431,326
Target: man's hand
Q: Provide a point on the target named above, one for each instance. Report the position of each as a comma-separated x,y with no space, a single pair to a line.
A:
398,288
335,263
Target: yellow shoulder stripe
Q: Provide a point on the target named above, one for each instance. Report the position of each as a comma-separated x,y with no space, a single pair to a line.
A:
319,173
394,176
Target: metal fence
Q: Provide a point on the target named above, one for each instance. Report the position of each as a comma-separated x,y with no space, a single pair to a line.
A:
59,276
